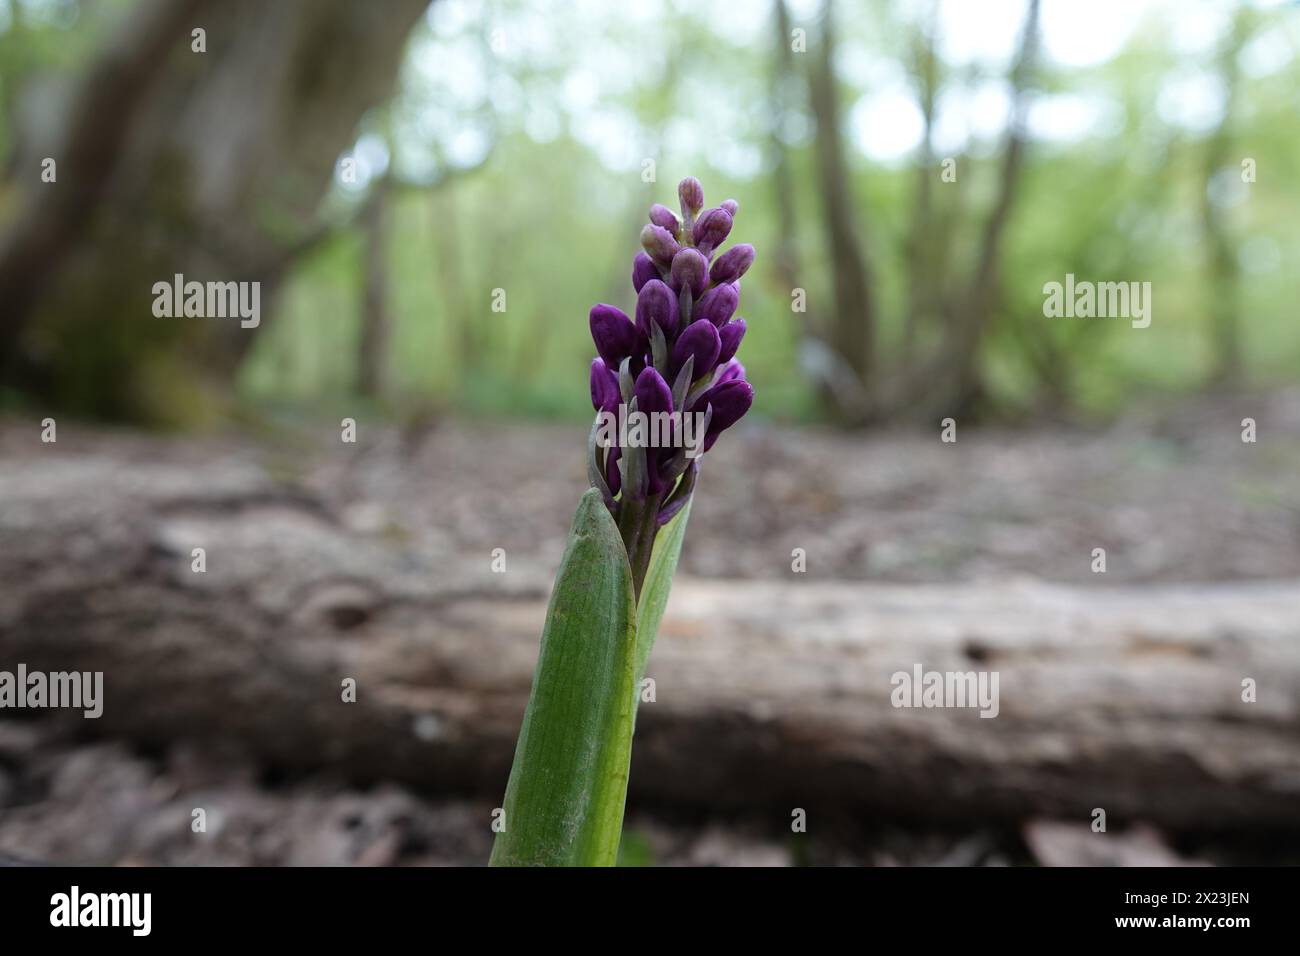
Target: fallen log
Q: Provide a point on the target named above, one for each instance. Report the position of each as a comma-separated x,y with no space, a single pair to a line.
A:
773,694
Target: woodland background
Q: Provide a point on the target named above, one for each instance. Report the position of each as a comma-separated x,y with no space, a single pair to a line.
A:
505,146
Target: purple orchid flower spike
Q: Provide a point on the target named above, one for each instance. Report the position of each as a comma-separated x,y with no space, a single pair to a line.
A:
674,365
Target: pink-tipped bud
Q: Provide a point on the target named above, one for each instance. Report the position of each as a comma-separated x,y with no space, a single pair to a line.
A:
659,243
691,194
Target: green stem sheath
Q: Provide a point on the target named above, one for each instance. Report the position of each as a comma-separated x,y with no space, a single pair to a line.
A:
637,524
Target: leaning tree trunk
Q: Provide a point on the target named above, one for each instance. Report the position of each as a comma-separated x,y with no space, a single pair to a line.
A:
210,164
1222,266
376,325
853,325
959,385
767,694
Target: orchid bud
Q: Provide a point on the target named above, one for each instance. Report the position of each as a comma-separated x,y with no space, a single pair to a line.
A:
656,304
652,397
643,270
729,337
659,243
702,342
728,372
664,217
711,230
691,194
732,264
613,333
604,387
729,402
718,305
690,270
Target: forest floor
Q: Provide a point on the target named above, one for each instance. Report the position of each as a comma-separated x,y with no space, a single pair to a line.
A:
1171,497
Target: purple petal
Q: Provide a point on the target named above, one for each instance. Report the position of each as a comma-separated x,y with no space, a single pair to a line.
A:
613,333
731,206
656,303
691,194
729,372
712,229
702,341
732,264
730,336
718,305
643,270
664,217
680,496
652,397
652,392
605,395
690,269
729,402
659,243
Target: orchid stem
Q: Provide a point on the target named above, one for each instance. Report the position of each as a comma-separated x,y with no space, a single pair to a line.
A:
637,524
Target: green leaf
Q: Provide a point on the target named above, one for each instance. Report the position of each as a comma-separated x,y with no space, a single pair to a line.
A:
658,581
564,800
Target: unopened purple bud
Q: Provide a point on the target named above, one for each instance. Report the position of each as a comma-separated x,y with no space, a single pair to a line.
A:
656,303
604,387
702,341
613,333
732,264
711,230
729,336
689,269
729,402
729,372
652,392
652,397
718,305
731,206
662,216
691,193
659,243
643,270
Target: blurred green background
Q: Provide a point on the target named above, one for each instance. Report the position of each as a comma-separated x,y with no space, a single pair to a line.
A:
511,152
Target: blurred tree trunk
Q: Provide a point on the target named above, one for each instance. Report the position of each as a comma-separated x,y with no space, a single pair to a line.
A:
958,386
852,329
210,164
372,346
923,278
1223,268
838,391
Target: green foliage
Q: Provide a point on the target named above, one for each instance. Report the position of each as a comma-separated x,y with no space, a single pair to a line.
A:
552,215
564,800
554,224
